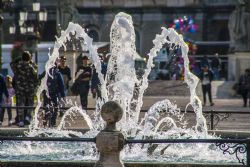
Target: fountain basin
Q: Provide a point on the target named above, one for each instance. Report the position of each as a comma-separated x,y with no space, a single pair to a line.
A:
91,164
78,148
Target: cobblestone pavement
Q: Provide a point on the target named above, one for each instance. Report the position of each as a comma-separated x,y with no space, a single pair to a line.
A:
240,122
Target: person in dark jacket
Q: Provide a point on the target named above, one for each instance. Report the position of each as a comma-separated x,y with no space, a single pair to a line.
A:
65,71
244,87
206,78
215,65
83,77
54,95
95,82
205,62
3,91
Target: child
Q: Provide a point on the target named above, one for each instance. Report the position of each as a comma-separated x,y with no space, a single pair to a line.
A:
3,91
8,101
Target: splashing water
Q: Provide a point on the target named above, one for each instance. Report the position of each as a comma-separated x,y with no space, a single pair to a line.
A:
163,119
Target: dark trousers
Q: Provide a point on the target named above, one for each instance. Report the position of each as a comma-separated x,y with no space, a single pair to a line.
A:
25,110
24,101
2,111
206,89
84,91
244,95
51,112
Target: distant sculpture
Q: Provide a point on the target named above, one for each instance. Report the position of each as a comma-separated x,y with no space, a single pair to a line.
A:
239,26
67,12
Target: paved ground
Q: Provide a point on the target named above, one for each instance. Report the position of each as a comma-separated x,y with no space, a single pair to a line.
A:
234,122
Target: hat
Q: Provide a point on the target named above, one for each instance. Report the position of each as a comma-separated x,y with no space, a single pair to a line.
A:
85,58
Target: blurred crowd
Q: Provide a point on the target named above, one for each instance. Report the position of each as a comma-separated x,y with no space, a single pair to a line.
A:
22,88
175,68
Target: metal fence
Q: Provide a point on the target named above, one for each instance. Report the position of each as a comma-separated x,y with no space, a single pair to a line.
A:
213,117
228,146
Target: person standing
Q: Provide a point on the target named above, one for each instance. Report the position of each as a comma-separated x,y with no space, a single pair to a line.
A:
56,93
83,77
65,71
215,64
205,62
3,90
26,82
206,78
95,81
8,101
244,86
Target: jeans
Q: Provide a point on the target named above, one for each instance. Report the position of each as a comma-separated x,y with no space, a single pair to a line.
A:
206,89
216,73
52,103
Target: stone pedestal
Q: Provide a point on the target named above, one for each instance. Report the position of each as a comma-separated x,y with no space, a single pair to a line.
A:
237,63
110,141
109,144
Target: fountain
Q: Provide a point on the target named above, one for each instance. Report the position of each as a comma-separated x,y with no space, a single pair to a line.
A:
121,84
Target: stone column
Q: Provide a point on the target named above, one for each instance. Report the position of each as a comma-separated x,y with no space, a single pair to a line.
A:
110,141
239,25
237,64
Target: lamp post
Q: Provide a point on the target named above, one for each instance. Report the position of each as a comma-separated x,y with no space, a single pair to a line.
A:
31,28
4,4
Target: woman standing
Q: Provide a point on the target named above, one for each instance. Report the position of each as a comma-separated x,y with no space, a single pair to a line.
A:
8,100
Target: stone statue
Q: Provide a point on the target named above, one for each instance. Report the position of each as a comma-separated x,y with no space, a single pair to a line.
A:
239,27
110,141
67,12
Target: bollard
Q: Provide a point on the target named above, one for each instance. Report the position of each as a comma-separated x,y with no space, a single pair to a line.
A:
110,141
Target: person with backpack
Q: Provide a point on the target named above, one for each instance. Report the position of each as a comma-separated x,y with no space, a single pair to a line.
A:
244,87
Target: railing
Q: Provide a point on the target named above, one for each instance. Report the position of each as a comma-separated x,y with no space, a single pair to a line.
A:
213,117
230,146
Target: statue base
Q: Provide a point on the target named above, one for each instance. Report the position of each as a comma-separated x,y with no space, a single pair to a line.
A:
237,63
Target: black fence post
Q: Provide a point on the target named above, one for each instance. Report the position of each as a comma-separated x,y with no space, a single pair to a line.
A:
248,153
212,120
